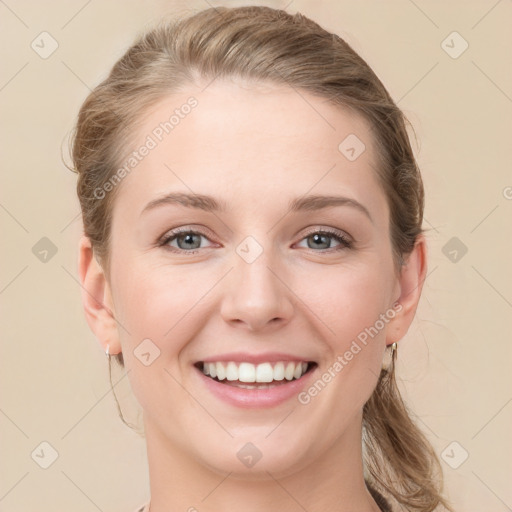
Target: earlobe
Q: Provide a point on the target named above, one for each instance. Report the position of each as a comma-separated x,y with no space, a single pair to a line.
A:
411,279
96,298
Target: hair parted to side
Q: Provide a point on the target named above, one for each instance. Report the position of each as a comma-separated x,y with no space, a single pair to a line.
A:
261,44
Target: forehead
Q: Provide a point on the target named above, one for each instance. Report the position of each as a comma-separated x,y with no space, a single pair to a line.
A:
251,141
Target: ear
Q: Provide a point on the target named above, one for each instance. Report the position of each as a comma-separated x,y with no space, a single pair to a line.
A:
96,298
410,283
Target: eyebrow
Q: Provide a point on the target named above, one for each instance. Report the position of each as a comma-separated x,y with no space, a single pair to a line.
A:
198,201
316,202
210,204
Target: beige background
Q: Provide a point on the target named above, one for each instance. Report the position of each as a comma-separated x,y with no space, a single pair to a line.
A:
455,361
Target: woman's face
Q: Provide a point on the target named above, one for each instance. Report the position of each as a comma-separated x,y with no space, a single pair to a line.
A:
251,278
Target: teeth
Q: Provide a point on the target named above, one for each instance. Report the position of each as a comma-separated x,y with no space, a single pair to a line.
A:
279,371
248,372
264,372
289,371
231,371
221,371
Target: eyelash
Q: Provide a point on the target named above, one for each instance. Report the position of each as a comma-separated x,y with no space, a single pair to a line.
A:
345,242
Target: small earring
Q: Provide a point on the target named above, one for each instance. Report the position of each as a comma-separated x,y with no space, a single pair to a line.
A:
107,351
392,357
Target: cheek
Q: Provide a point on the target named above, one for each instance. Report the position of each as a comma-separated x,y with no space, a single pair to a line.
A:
349,302
346,299
161,311
159,303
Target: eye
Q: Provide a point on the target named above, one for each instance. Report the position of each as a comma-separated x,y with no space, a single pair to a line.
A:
322,240
189,241
186,240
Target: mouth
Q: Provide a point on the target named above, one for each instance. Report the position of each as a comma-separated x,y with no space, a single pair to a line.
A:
246,375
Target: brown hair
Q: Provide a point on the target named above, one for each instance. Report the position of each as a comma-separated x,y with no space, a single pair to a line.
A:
262,44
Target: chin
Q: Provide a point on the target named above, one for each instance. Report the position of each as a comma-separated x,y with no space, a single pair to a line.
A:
254,460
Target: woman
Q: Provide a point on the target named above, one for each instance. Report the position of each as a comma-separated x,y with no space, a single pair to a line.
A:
252,254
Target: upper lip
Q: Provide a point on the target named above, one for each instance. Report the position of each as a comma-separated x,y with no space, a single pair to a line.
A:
245,357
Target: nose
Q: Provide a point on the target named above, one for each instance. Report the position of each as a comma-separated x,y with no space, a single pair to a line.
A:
256,295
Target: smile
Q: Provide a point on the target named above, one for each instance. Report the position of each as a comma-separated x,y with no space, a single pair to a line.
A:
262,373
248,384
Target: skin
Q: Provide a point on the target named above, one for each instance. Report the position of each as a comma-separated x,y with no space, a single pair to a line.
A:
260,147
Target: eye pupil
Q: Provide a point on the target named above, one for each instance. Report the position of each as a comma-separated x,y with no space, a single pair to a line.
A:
317,238
188,239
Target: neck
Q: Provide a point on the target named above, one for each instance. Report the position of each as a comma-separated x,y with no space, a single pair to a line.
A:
333,482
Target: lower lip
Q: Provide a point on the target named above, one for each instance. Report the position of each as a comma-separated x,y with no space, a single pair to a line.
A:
253,398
